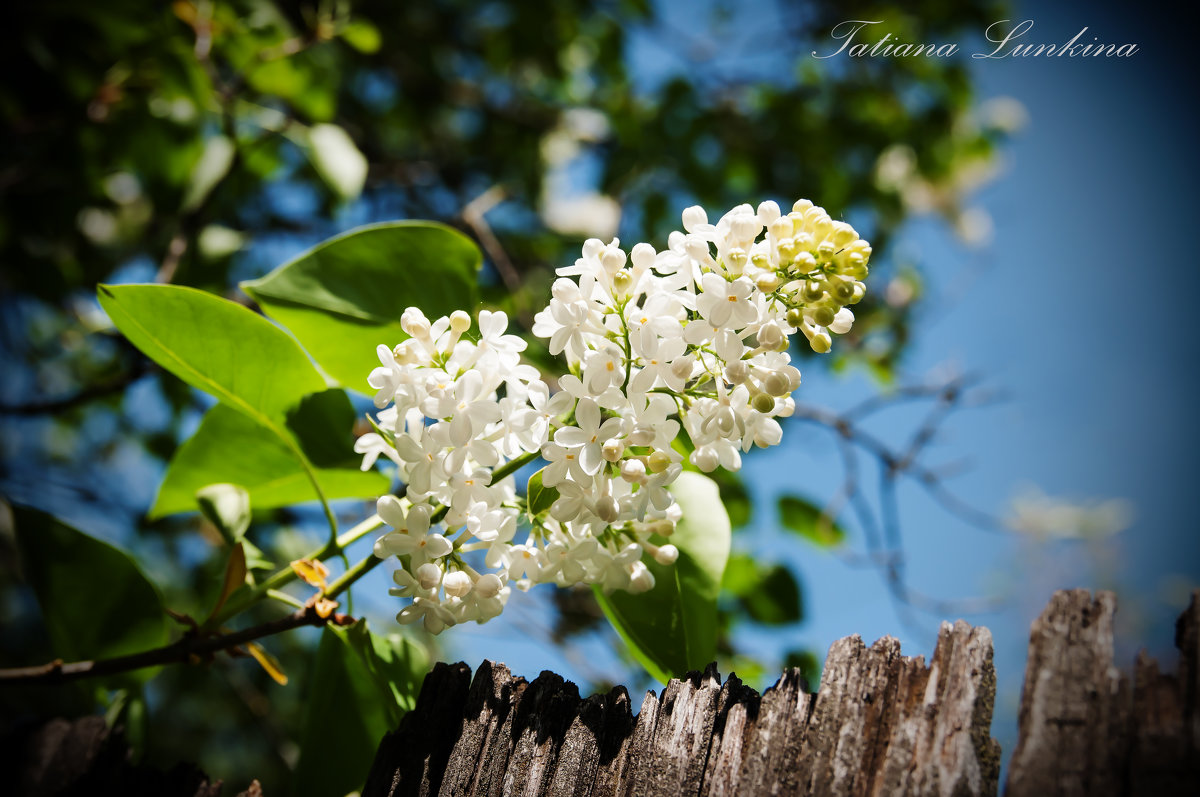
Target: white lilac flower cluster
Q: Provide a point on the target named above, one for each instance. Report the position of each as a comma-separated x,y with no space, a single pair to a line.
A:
695,336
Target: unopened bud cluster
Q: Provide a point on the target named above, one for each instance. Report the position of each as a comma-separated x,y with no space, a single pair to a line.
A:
692,337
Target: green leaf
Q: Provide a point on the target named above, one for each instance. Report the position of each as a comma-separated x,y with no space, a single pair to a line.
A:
673,628
323,423
770,596
344,297
809,521
229,447
216,345
734,496
362,36
396,665
226,506
95,601
337,159
210,170
539,497
362,684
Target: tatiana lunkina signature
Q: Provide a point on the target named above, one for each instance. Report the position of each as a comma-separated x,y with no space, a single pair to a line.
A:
1008,40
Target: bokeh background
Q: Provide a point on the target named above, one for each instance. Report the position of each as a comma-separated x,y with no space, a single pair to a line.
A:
1027,338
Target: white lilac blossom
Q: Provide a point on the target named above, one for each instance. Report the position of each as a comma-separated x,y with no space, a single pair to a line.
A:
693,338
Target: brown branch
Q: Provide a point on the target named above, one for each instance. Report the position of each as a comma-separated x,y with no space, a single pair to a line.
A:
184,649
473,216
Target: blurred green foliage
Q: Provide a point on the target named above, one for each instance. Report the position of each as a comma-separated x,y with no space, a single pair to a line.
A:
203,143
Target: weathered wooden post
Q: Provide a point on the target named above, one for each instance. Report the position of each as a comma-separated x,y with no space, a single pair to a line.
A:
881,724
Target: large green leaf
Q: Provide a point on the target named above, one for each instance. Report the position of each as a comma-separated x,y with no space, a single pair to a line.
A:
808,520
217,345
673,628
230,447
345,296
362,685
95,601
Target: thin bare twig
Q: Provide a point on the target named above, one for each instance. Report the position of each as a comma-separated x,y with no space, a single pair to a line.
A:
473,215
184,649
882,532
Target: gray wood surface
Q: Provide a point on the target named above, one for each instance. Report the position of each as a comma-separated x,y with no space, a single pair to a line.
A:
881,724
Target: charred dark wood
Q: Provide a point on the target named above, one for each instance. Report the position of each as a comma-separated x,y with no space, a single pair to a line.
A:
884,724
86,757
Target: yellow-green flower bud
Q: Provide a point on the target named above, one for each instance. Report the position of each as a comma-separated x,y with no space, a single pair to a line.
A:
622,282
658,462
777,384
763,403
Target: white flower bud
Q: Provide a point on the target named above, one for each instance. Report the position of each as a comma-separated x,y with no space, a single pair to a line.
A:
666,554
613,259
745,227
843,234
767,212
633,471
640,578
770,336
705,458
768,282
781,228
682,367
428,575
592,247
737,372
793,375
488,585
643,256
404,353
693,217
414,323
613,449
664,527
607,509
842,322
460,322
735,261
457,584
801,205
697,248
